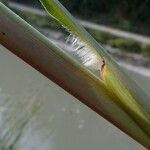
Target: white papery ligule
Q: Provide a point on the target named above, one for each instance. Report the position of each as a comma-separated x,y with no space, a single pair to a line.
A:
82,52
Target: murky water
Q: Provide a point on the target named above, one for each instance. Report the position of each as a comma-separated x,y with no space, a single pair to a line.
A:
36,114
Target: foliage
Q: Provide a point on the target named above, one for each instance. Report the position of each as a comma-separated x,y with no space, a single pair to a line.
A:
126,14
100,36
146,49
4,1
125,44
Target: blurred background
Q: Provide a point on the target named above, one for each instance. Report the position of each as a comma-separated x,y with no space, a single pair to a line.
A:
129,15
48,122
122,26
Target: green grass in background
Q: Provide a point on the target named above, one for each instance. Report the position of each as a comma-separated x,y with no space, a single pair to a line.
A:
125,44
146,49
